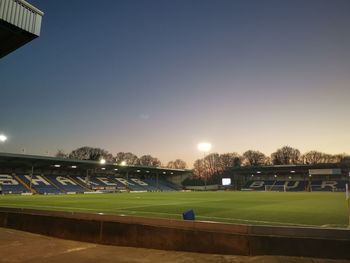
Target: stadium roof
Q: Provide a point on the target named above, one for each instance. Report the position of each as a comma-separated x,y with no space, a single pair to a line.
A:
26,161
292,168
20,22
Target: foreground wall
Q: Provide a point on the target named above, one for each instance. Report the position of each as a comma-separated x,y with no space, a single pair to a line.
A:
204,237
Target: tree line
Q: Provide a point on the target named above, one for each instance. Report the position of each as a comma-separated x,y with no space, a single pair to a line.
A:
214,164
125,158
210,165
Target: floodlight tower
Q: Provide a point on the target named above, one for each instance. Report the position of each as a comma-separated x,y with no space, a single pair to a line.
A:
204,147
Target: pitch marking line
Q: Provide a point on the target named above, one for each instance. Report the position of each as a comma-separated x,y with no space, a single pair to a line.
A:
161,213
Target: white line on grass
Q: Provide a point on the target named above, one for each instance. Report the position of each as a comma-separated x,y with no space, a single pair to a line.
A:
127,211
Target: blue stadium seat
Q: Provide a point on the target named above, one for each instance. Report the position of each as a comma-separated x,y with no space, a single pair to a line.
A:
10,185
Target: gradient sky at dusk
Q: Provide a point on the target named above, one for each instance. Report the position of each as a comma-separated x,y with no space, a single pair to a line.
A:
158,77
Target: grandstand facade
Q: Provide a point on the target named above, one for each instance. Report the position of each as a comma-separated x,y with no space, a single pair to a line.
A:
316,177
29,174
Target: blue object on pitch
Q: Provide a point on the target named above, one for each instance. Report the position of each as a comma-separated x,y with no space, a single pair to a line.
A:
188,215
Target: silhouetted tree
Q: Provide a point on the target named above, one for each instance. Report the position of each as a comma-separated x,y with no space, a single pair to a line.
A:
254,158
61,154
314,157
228,160
177,164
286,155
199,169
148,160
90,153
128,157
337,158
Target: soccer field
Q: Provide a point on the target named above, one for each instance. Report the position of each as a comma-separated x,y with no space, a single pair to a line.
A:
260,208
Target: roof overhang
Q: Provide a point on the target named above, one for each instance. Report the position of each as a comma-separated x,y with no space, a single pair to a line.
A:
20,23
12,160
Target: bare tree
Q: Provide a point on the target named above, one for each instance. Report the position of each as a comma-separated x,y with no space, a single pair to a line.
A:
198,168
128,157
254,158
61,154
337,158
286,155
148,160
90,153
228,160
212,164
313,157
177,164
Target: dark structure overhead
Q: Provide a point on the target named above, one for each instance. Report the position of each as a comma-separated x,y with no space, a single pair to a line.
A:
10,160
20,22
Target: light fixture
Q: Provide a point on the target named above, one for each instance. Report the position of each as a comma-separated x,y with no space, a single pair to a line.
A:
204,146
3,138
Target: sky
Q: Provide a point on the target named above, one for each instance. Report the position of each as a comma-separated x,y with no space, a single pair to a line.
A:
159,76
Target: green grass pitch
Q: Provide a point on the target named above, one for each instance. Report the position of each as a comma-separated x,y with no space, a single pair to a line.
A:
260,208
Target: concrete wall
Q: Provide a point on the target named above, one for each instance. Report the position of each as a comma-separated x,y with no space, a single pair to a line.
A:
204,237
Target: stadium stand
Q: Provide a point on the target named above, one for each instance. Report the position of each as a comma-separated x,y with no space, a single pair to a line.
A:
161,185
66,184
22,174
296,185
40,184
11,186
328,186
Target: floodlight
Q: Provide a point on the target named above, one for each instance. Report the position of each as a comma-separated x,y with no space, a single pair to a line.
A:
123,163
204,146
57,165
102,161
74,166
3,138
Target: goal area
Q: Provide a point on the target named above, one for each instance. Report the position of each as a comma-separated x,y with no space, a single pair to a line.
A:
276,188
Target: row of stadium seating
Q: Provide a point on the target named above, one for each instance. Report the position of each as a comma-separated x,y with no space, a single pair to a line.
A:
294,186
56,184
